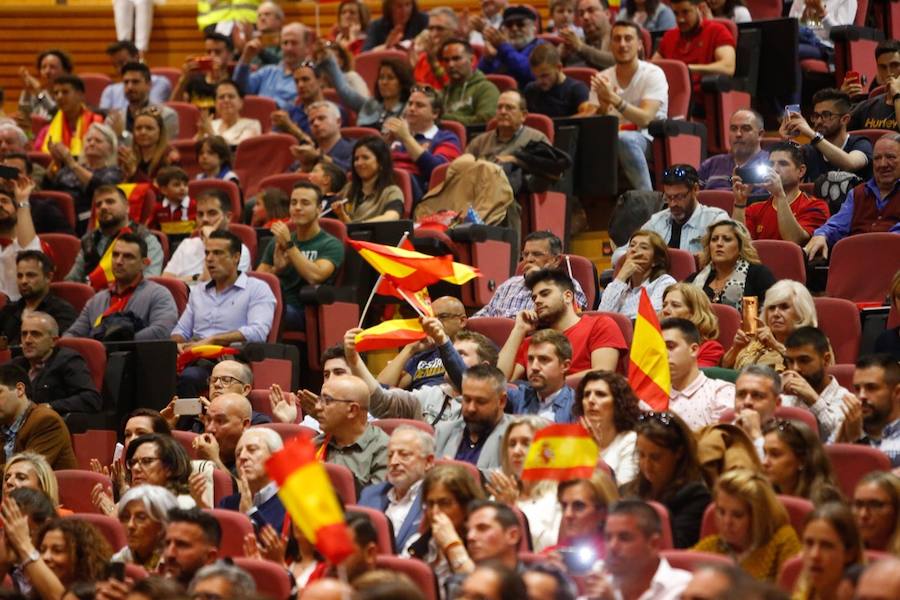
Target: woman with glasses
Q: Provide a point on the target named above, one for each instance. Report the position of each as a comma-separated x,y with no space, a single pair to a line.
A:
645,267
144,514
753,527
796,464
876,506
731,267
669,473
831,544
228,122
686,301
371,196
151,150
607,407
401,20
31,470
788,305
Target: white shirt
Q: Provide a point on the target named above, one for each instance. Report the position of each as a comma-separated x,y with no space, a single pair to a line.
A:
702,402
648,83
190,256
621,298
837,12
242,129
397,510
8,284
667,583
691,232
543,514
621,457
828,409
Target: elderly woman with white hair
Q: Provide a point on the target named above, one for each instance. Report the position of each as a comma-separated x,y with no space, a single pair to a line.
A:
788,305
143,512
81,176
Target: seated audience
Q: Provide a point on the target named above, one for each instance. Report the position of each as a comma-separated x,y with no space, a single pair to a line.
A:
228,415
273,205
733,10
17,227
879,111
745,128
731,266
541,250
562,17
275,81
713,54
228,122
888,341
222,579
136,78
633,562
787,306
607,407
830,148
686,301
175,214
592,49
192,542
645,267
150,151
873,415
508,48
392,89
36,97
879,581
371,195
870,206
325,141
546,392
876,507
200,74
596,340
72,119
352,23
121,53
552,93
753,527
468,96
788,213
796,464
37,510
491,16
652,15
424,56
132,307
757,394
668,472
302,254
829,526
257,495
510,134
188,262
46,214
401,20
644,98
34,271
143,512
410,455
59,376
584,504
215,159
30,470
696,398
818,17
294,119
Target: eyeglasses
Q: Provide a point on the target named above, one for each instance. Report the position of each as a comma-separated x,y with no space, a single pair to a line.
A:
825,115
144,462
664,418
870,505
326,400
527,254
680,174
224,380
680,197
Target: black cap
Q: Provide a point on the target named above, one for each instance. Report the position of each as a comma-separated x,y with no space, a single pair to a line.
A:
519,11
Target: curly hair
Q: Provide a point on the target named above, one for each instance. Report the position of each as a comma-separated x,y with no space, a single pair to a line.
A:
626,411
746,250
87,548
172,455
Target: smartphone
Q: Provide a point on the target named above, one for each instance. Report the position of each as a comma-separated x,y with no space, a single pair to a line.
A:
188,407
118,452
115,570
853,75
204,63
749,313
754,173
579,560
7,172
791,108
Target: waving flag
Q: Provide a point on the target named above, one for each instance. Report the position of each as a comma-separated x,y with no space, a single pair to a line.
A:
413,270
560,452
389,334
207,351
648,367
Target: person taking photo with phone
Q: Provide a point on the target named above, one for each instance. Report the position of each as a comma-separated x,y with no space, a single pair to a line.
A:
788,213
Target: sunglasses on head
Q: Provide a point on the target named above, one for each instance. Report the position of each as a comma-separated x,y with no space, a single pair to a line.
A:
680,174
664,418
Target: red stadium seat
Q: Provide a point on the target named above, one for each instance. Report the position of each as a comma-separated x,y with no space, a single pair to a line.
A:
846,280
497,329
790,572
288,430
186,439
851,462
187,150
163,240
675,140
188,117
65,249
472,469
283,181
843,373
785,259
368,63
342,481
438,175
723,199
261,156
271,370
504,83
389,425
797,508
839,320
765,9
75,489
196,187
355,133
94,354
94,84
248,238
692,560
275,286
666,541
623,322
458,128
582,74
63,201
403,180
729,323
679,80
42,158
223,485
873,135
272,581
171,73
385,539
420,572
177,288
110,527
261,109
94,443
235,525
681,263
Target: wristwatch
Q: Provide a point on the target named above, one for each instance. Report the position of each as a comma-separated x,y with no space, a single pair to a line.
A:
33,556
816,139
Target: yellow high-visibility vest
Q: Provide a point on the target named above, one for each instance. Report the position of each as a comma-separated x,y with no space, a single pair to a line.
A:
210,12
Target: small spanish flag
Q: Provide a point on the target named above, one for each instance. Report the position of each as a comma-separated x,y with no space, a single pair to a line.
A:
389,334
648,366
309,498
413,270
207,351
560,452
420,301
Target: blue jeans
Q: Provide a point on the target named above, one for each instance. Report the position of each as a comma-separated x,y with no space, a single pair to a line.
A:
632,147
294,318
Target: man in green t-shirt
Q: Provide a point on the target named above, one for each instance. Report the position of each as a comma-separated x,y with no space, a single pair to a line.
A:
306,256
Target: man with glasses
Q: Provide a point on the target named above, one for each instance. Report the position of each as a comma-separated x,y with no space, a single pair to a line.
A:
593,50
427,68
830,148
507,49
468,97
275,81
684,221
542,250
347,438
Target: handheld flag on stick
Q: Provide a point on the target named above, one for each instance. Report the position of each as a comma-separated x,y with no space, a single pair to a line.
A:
648,367
561,452
389,334
413,270
207,351
309,498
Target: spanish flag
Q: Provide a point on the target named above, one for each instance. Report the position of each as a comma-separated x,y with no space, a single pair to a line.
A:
420,301
648,367
102,275
389,334
307,494
560,452
207,351
59,131
413,270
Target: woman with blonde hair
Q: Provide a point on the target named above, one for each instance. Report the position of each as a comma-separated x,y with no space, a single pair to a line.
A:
788,305
731,266
876,506
645,266
31,470
687,301
753,526
831,544
151,150
536,499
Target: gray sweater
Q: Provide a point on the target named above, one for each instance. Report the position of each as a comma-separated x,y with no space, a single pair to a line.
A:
151,302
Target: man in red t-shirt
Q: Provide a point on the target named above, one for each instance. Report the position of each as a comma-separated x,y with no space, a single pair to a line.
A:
706,47
596,340
787,214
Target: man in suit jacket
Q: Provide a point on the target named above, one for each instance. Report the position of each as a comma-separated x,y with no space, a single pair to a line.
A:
28,426
258,494
476,437
59,376
410,455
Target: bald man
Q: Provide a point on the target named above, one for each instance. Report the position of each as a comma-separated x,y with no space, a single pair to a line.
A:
347,437
326,589
420,364
881,581
227,417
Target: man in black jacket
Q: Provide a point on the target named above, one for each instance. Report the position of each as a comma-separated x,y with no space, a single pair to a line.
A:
59,376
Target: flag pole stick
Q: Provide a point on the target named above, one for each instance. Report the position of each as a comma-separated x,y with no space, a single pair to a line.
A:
362,316
411,303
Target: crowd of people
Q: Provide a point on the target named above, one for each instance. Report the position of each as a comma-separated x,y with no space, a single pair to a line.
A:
739,488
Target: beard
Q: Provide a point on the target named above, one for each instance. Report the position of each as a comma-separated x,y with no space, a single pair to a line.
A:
816,379
8,221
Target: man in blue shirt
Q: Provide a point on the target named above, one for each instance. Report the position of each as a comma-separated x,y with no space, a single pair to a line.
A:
508,48
275,81
121,53
873,414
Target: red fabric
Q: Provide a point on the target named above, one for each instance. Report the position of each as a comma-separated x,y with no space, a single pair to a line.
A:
762,218
699,47
866,216
423,73
710,354
590,333
170,222
442,145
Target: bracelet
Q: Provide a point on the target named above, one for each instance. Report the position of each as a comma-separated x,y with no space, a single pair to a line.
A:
621,106
451,545
740,206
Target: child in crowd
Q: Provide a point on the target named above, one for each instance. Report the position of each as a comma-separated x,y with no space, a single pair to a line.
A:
272,206
175,213
562,16
214,158
331,179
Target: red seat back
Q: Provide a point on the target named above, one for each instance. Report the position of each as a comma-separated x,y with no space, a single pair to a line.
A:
385,534
420,572
692,560
582,74
272,581
187,151
65,249
235,526
275,286
248,238
342,481
681,263
261,109
623,322
163,240
63,201
679,80
785,259
504,83
438,175
497,329
223,486
94,84
403,180
261,156
873,135
177,288
110,527
368,63
188,117
272,370
75,489
94,354
666,541
458,128
355,133
839,320
389,425
94,443
288,430
197,187
472,469
283,181
170,73
765,9
723,199
186,439
851,462
843,373
847,280
729,323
